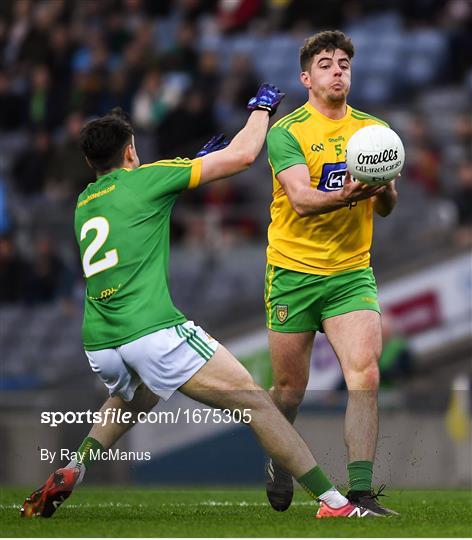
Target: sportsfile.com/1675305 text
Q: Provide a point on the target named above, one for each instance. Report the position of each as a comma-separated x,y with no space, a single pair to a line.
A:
180,415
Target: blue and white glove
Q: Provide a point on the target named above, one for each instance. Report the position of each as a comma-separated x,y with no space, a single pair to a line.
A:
268,98
217,142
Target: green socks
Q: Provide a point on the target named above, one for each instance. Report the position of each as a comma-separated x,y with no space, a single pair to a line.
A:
89,451
315,482
360,475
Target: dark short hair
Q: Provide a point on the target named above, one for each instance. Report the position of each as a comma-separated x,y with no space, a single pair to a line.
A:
103,140
329,40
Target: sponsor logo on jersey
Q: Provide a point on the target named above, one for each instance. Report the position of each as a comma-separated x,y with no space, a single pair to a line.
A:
337,139
332,176
93,196
317,147
281,310
106,293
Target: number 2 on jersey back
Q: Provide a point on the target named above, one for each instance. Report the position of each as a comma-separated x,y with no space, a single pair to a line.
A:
101,225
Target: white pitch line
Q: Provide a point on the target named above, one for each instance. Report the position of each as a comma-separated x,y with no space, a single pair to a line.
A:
85,505
202,503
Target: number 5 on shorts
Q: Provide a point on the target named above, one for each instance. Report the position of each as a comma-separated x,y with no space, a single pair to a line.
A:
101,225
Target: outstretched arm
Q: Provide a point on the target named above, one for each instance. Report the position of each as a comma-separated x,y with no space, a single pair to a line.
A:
247,144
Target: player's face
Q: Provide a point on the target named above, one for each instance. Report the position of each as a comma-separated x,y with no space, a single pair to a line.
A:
329,77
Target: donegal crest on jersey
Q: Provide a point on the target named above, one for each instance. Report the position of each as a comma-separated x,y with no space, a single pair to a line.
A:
122,223
318,244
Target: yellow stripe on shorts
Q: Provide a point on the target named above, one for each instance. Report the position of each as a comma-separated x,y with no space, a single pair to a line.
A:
270,278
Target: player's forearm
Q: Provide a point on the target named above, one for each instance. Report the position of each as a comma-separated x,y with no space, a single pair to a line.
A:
240,153
385,202
249,141
309,201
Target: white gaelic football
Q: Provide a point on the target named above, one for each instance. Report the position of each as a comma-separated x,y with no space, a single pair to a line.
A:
375,155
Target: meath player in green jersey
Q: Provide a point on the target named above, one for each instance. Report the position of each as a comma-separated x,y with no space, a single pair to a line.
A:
318,273
137,342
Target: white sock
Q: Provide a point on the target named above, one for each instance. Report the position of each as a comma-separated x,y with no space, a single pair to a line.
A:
333,498
73,463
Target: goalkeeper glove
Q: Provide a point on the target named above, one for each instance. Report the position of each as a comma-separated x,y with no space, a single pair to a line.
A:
217,142
268,98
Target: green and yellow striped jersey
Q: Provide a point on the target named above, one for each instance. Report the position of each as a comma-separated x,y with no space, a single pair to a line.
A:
317,244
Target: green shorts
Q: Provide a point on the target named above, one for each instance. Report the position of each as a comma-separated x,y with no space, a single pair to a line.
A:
299,302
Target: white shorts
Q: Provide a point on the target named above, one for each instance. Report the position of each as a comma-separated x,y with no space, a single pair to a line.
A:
163,361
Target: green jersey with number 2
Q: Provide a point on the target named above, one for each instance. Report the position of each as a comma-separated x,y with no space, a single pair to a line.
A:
122,223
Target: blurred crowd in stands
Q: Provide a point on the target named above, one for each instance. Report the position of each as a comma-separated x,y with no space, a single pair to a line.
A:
184,70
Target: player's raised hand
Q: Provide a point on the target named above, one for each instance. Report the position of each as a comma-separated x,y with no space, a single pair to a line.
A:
353,190
217,142
268,98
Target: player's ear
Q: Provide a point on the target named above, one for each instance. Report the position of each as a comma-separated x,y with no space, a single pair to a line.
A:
129,154
88,162
305,79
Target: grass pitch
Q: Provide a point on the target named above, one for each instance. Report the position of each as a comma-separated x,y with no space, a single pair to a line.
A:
113,512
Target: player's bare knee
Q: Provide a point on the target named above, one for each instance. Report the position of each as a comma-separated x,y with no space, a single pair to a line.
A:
364,378
293,398
288,396
291,382
372,377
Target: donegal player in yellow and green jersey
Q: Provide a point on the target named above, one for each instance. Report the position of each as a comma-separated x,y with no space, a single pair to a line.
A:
318,274
326,243
138,343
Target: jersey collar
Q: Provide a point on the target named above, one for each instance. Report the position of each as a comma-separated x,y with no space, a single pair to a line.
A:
316,113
